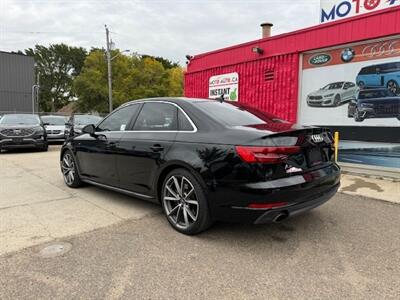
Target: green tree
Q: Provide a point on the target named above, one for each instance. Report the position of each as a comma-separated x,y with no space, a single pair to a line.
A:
57,67
133,77
167,64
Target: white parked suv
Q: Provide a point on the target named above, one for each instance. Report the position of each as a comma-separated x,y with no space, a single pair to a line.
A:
333,94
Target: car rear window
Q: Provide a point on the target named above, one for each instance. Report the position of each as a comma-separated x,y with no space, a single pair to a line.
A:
86,119
233,114
54,120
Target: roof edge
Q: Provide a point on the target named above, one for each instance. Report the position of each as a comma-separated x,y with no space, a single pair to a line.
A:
303,30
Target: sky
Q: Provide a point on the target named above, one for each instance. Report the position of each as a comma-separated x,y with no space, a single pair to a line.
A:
167,28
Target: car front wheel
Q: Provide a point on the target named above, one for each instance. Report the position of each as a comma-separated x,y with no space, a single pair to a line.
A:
337,100
393,86
184,203
357,116
69,170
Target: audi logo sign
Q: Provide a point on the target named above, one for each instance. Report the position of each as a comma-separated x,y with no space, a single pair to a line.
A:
317,138
332,10
382,49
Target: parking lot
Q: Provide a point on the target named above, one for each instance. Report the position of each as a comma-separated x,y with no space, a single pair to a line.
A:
122,247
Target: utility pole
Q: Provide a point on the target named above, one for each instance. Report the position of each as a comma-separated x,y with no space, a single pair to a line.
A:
108,54
38,91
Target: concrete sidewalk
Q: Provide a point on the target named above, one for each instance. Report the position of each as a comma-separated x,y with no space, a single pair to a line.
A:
367,186
37,207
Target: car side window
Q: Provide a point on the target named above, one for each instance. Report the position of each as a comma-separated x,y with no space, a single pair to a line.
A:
157,117
351,84
184,124
120,119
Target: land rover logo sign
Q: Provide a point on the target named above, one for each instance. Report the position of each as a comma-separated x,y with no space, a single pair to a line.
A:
320,59
226,85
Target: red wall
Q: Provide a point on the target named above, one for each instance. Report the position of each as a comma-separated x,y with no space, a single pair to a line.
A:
278,96
281,54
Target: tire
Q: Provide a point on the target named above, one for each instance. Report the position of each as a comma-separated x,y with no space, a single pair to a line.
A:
337,100
69,170
186,211
393,86
357,116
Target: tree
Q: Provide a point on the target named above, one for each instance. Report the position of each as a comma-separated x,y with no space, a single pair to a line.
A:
134,77
167,64
57,67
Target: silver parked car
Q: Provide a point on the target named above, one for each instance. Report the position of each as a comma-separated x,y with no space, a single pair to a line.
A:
55,127
333,94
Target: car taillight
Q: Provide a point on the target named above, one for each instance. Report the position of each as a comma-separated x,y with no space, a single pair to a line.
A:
271,155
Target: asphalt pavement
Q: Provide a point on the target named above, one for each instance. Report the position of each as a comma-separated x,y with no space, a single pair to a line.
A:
125,249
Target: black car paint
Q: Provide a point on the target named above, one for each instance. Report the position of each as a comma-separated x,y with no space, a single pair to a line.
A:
136,162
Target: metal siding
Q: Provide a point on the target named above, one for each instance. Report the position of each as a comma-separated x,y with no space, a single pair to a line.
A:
278,97
370,26
16,80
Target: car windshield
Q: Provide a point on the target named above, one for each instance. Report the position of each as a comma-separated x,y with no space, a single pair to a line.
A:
86,119
20,120
372,94
233,114
54,120
333,86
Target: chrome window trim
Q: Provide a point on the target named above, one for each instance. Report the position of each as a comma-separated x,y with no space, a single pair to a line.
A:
160,131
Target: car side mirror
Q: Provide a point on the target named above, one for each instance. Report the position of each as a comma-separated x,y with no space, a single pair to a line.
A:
90,129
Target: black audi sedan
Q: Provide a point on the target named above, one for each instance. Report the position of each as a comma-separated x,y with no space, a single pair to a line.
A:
22,131
205,161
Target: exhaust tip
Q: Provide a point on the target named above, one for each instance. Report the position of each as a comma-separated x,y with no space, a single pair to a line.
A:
280,217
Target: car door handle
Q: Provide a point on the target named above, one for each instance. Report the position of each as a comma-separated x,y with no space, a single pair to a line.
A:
157,148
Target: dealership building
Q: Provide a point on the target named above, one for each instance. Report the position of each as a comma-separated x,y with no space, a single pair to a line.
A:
16,82
319,76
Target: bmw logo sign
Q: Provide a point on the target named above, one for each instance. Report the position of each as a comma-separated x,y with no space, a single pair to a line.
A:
348,55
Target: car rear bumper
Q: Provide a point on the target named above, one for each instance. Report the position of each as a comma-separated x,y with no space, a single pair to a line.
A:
22,143
300,193
292,210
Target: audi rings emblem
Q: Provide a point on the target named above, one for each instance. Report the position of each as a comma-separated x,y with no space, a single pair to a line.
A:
317,138
388,48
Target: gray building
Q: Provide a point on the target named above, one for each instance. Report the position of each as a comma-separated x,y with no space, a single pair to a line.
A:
16,81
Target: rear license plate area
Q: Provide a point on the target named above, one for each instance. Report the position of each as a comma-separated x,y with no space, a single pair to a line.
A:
314,157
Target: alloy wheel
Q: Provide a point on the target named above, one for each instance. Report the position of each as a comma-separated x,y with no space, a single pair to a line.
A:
68,169
392,86
180,201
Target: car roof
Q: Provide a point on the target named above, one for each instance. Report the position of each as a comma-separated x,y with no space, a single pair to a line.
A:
176,100
53,116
